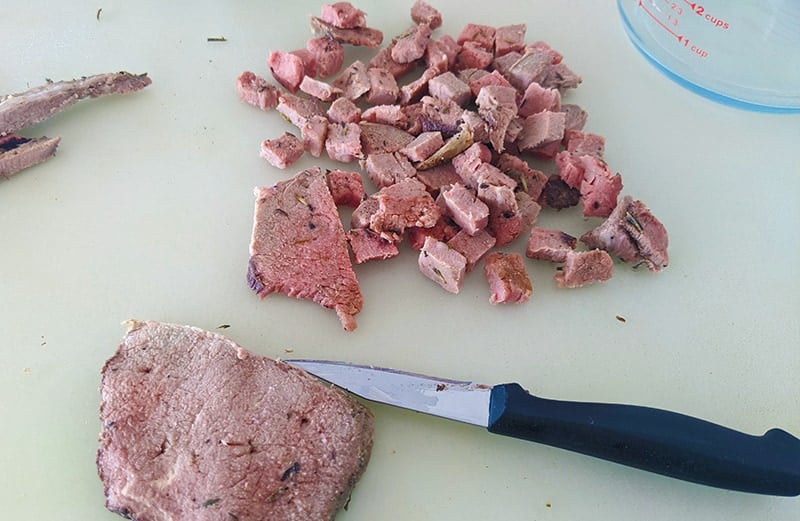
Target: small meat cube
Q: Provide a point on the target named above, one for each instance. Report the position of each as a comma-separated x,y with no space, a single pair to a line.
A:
309,61
378,137
386,169
560,77
505,226
503,64
529,180
570,168
532,67
550,245
473,56
497,105
447,86
358,36
283,151
413,91
575,116
477,81
299,110
438,177
541,47
343,15
347,188
472,247
423,146
353,81
386,114
464,207
467,163
369,246
314,133
288,69
319,89
558,194
599,189
483,35
585,267
444,230
256,91
363,213
529,210
508,280
441,54
476,125
344,142
383,60
343,110
383,88
537,98
422,13
509,38
633,234
541,129
411,45
442,264
328,54
403,205
440,115
584,143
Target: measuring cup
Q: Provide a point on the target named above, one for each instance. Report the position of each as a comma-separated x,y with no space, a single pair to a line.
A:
744,53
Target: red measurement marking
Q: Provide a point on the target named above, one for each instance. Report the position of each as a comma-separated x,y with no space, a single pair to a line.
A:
659,22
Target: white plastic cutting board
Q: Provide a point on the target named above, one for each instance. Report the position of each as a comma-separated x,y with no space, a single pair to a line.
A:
146,213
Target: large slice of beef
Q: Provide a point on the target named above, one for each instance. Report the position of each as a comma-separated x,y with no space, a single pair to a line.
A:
196,427
299,246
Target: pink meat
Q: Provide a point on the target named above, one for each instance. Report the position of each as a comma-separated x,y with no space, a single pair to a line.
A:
529,210
282,151
473,55
444,230
447,86
497,105
469,161
386,114
309,61
353,81
257,91
438,177
442,264
383,88
541,129
423,146
328,55
528,179
411,46
359,36
549,244
585,267
442,54
403,205
369,246
531,67
299,110
472,247
483,78
319,89
299,247
343,110
464,207
443,115
412,92
314,133
378,137
575,117
507,277
288,69
599,188
387,168
344,142
509,38
483,35
423,13
537,99
584,143
383,60
347,188
343,15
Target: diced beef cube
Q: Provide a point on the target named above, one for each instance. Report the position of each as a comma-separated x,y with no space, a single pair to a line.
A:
584,143
549,244
438,177
547,150
411,45
383,60
347,188
472,247
18,152
441,54
505,226
467,163
309,61
558,194
343,15
413,113
257,91
477,81
528,209
560,77
319,89
532,67
537,99
509,38
287,69
483,35
386,114
423,146
477,126
283,151
358,36
489,175
440,115
503,64
412,92
528,179
473,55
585,267
328,54
575,116
353,81
314,133
378,137
633,234
299,110
423,13
388,168
344,142
403,205
369,246
442,264
444,230
570,168
540,129
541,47
447,86
383,88
464,207
343,110
497,105
363,213
507,277
599,188
296,226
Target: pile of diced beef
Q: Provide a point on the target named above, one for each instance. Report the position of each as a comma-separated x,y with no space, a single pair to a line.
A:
443,128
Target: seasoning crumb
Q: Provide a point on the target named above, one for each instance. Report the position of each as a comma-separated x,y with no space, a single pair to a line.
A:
223,326
43,342
210,502
26,370
621,318
548,505
440,387
216,39
288,350
98,14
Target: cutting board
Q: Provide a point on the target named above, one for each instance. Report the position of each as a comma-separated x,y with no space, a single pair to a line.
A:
146,212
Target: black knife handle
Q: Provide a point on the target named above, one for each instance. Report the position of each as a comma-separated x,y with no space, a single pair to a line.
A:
655,440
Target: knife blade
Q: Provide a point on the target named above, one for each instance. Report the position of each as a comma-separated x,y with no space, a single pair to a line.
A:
655,440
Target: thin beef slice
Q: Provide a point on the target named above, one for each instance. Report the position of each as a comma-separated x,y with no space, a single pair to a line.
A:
299,246
196,427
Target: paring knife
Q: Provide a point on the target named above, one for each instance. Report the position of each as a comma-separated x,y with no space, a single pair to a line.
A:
650,439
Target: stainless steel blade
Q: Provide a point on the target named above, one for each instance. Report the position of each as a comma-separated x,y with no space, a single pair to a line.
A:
462,401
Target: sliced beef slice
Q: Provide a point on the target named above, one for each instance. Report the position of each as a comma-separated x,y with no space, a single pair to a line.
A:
507,277
196,427
18,153
299,247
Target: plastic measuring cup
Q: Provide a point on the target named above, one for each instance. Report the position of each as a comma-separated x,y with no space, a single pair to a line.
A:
744,53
